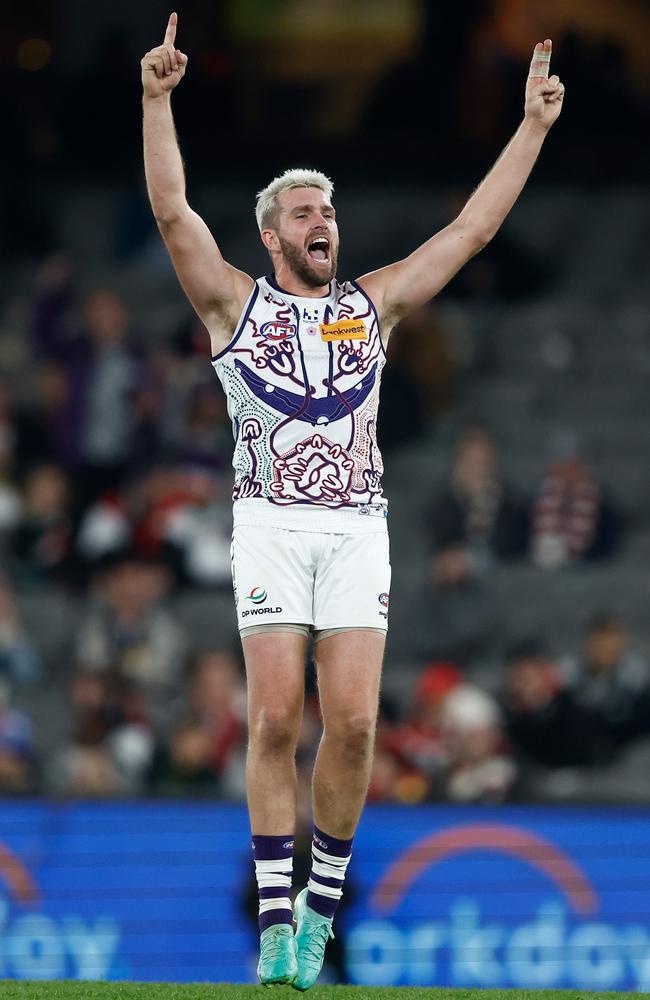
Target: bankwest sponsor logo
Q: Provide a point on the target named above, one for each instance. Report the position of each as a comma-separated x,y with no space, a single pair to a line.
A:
35,944
344,329
560,939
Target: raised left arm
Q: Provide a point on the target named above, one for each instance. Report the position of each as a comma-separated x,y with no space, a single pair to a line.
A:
400,288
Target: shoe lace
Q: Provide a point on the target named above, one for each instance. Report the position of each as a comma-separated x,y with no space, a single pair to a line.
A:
273,946
317,939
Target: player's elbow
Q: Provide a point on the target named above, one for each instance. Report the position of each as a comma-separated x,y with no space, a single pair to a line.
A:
478,236
166,216
475,234
168,209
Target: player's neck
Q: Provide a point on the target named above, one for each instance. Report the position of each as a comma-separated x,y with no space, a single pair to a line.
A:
291,283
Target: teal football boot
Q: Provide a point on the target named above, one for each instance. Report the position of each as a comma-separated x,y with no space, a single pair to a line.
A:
312,934
277,962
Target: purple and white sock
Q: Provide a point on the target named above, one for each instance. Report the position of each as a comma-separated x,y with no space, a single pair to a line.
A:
273,869
329,862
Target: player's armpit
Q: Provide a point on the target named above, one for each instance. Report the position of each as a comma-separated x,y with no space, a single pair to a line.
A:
216,289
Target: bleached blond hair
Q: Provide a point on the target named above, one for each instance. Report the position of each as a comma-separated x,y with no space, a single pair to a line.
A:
266,204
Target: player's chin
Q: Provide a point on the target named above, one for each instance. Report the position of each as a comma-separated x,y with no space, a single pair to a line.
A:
321,271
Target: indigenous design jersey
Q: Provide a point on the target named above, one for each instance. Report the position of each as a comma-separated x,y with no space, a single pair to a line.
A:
302,380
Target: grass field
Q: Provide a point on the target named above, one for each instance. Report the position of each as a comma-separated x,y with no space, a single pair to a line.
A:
12,990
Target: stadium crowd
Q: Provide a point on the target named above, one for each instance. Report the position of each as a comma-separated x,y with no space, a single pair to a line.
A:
115,489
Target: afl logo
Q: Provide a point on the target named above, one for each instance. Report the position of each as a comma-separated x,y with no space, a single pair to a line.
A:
276,330
383,600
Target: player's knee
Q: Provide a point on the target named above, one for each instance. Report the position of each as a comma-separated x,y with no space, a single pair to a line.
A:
274,730
355,734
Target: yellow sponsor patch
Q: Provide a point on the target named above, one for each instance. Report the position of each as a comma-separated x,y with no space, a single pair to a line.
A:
344,329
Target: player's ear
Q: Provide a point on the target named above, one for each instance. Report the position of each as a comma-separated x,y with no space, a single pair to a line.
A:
270,239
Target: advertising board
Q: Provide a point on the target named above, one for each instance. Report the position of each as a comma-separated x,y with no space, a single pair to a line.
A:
514,897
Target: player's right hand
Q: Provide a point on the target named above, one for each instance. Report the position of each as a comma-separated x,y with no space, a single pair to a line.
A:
163,68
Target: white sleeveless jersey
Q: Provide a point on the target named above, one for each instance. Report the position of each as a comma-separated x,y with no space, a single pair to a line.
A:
302,376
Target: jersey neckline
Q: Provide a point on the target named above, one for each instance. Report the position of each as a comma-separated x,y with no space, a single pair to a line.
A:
270,278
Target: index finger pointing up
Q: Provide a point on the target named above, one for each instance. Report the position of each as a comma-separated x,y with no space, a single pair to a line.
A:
170,33
541,61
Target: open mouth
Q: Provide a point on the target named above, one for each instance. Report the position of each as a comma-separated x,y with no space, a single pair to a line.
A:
319,249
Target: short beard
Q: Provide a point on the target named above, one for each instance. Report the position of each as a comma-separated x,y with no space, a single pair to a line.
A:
302,269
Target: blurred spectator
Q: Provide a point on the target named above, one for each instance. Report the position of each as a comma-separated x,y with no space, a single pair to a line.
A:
477,507
102,376
544,721
128,628
420,371
181,368
400,420
51,330
205,751
46,432
410,755
135,516
111,742
20,662
573,519
455,618
199,530
17,748
9,498
204,436
103,380
42,540
182,514
420,344
478,766
610,681
106,527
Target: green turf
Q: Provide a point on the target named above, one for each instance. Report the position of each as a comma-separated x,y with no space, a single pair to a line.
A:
12,990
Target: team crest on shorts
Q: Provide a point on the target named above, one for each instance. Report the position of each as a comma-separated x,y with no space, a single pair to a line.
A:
383,600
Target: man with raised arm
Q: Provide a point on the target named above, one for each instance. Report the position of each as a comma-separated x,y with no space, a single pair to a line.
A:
300,355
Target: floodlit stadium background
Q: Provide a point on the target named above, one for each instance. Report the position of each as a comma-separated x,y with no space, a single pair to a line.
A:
506,842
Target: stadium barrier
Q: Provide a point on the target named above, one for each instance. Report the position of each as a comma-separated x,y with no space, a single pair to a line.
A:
515,897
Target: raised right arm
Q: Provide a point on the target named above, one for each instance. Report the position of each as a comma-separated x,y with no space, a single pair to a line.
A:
216,289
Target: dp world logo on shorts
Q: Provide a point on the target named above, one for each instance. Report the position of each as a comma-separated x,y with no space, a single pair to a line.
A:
495,905
257,595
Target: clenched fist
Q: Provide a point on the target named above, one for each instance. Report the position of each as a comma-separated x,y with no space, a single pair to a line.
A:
544,93
164,67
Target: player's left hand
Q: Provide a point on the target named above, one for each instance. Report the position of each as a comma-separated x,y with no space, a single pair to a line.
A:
544,93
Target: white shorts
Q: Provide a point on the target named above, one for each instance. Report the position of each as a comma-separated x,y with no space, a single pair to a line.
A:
322,579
